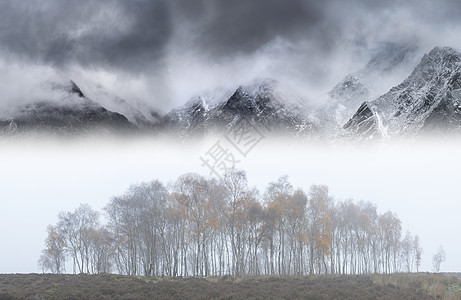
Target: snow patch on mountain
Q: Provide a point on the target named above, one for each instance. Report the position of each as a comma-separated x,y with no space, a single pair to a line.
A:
430,98
264,103
387,67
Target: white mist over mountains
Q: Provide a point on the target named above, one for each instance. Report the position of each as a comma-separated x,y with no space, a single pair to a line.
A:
162,53
279,106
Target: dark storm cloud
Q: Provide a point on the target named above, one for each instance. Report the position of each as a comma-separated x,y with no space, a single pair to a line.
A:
119,34
168,48
133,35
230,28
242,26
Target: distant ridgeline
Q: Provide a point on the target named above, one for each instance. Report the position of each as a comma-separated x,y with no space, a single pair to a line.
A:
428,101
208,227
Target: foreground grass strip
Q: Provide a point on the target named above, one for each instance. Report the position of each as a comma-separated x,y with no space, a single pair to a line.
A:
107,286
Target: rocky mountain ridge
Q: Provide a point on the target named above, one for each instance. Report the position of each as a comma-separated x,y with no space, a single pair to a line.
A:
261,104
73,114
428,100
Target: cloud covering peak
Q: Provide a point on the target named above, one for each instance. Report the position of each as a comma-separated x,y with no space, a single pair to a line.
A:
163,52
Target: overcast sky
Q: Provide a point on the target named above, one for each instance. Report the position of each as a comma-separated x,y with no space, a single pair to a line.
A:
163,52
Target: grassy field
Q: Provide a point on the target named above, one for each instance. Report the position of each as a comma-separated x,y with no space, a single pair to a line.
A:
106,286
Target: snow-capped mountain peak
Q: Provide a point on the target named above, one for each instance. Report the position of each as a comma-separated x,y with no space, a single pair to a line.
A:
387,62
261,103
430,98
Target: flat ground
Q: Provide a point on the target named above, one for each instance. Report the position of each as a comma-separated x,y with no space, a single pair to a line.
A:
106,286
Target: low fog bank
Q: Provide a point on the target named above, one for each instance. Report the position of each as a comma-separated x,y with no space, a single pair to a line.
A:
418,181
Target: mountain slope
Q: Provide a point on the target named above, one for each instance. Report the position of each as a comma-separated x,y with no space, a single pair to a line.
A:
387,62
261,104
429,99
73,113
137,112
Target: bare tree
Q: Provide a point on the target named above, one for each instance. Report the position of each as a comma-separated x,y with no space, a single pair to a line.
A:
53,257
418,251
390,233
320,228
76,229
438,259
101,250
295,211
407,251
137,222
236,184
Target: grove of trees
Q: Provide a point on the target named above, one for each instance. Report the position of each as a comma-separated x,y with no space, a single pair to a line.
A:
202,226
